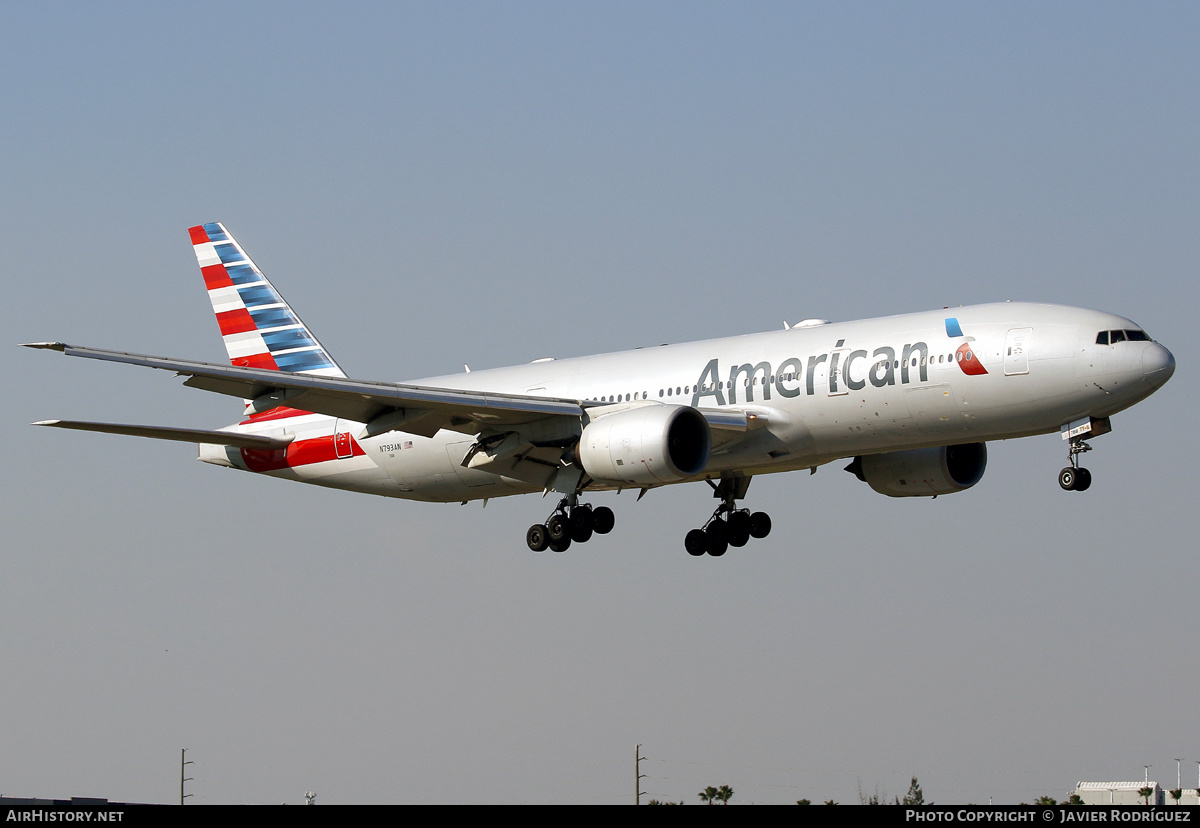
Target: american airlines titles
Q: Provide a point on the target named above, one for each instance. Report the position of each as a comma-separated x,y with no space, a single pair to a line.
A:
838,371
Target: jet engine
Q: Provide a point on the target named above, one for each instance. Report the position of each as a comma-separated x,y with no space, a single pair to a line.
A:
646,445
922,472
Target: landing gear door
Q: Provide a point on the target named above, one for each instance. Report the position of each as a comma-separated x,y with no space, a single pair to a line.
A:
1016,351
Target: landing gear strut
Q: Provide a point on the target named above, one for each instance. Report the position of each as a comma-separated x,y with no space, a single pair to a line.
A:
571,521
729,525
1073,478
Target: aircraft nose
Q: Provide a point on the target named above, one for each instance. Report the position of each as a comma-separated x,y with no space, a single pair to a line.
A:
1158,364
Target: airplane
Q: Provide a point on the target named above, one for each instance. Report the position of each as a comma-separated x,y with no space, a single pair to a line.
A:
912,400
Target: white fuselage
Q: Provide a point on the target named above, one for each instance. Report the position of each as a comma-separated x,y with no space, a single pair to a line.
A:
818,392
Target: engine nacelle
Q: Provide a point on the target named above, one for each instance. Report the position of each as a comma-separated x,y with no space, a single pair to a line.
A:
645,445
922,472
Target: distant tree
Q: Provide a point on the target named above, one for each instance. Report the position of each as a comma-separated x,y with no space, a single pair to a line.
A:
877,798
1074,799
1177,794
659,802
725,793
830,802
709,795
915,795
803,801
1144,793
1045,801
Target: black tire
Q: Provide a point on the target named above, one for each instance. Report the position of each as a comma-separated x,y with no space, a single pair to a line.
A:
718,528
760,525
1068,479
696,543
715,541
1083,479
560,545
582,520
739,525
604,520
537,537
739,535
558,528
580,534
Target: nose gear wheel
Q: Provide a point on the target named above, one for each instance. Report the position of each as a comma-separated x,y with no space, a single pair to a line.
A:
1073,478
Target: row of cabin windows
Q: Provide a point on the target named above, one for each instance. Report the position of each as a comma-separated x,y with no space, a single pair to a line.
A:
681,390
1113,337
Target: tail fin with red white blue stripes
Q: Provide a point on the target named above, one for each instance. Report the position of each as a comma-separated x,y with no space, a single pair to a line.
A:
259,328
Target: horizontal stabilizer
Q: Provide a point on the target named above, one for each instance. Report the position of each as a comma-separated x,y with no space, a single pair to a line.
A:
183,435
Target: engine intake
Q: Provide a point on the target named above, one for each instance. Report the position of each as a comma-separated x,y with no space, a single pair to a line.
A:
922,472
645,445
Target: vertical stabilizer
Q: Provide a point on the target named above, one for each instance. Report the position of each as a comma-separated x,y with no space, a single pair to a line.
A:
259,328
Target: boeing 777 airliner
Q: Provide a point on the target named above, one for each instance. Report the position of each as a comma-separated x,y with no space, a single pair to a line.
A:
911,400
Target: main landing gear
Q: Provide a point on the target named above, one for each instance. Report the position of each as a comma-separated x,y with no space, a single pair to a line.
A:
1073,478
571,522
729,525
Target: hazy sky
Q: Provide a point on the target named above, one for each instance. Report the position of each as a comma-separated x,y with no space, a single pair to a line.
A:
440,183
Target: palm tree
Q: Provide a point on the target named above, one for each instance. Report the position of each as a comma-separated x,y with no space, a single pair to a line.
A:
1144,793
725,794
1176,794
709,795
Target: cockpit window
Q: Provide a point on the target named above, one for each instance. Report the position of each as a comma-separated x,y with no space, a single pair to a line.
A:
1113,337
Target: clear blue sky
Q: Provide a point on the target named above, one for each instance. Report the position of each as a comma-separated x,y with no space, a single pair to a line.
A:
433,184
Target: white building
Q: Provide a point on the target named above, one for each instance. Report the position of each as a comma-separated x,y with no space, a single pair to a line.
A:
1122,793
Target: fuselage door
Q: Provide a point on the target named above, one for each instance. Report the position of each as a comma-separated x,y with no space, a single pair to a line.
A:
1016,351
836,376
343,447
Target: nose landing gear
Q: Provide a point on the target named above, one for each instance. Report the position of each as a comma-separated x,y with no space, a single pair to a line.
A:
1073,478
571,522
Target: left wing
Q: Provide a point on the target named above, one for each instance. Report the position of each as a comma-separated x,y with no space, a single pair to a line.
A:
383,406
